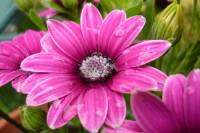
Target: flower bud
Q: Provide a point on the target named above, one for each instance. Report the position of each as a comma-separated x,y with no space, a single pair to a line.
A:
70,3
25,5
33,118
169,24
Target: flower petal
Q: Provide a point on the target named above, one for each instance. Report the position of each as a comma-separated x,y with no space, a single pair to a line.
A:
64,109
91,21
49,46
48,62
141,53
66,40
32,39
154,73
13,50
173,96
52,88
116,108
126,82
128,126
48,13
19,81
94,110
8,63
124,34
152,114
8,75
110,23
192,101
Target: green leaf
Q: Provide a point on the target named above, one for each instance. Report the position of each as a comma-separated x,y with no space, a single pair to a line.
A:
134,9
37,20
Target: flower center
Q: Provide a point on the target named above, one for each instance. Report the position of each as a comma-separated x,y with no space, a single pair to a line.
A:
96,67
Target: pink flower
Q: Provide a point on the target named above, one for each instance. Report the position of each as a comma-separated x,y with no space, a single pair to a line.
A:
12,53
177,113
90,66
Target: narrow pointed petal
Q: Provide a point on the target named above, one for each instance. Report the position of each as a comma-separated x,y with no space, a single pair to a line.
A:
48,62
32,80
152,115
128,126
91,21
173,96
66,40
8,63
124,34
52,88
94,108
8,75
32,39
125,82
154,73
191,101
19,81
141,53
48,13
116,108
49,46
13,50
64,109
110,23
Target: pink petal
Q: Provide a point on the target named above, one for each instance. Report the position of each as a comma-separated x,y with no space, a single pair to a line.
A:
48,62
152,115
64,109
13,50
154,73
8,75
52,88
49,46
173,96
32,80
124,34
32,39
141,53
8,63
110,23
66,40
19,81
128,126
91,21
48,13
116,108
192,101
126,82
94,108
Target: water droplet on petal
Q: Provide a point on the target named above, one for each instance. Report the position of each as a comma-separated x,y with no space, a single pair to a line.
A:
120,32
190,90
126,52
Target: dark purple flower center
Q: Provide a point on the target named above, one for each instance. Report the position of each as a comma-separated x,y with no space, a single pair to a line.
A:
96,67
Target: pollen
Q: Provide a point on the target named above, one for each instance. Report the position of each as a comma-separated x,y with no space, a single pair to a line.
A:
96,67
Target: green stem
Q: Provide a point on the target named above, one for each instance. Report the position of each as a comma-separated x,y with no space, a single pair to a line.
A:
13,122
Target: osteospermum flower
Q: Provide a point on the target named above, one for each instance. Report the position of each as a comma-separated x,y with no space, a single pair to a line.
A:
12,53
90,66
177,113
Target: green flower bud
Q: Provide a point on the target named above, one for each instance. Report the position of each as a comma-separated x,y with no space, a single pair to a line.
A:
33,118
25,5
169,24
70,3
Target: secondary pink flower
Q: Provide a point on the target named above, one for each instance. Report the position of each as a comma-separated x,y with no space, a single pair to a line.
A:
12,53
90,65
179,111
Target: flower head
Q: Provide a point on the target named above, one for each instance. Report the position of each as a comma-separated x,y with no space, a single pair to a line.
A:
86,67
179,110
12,53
